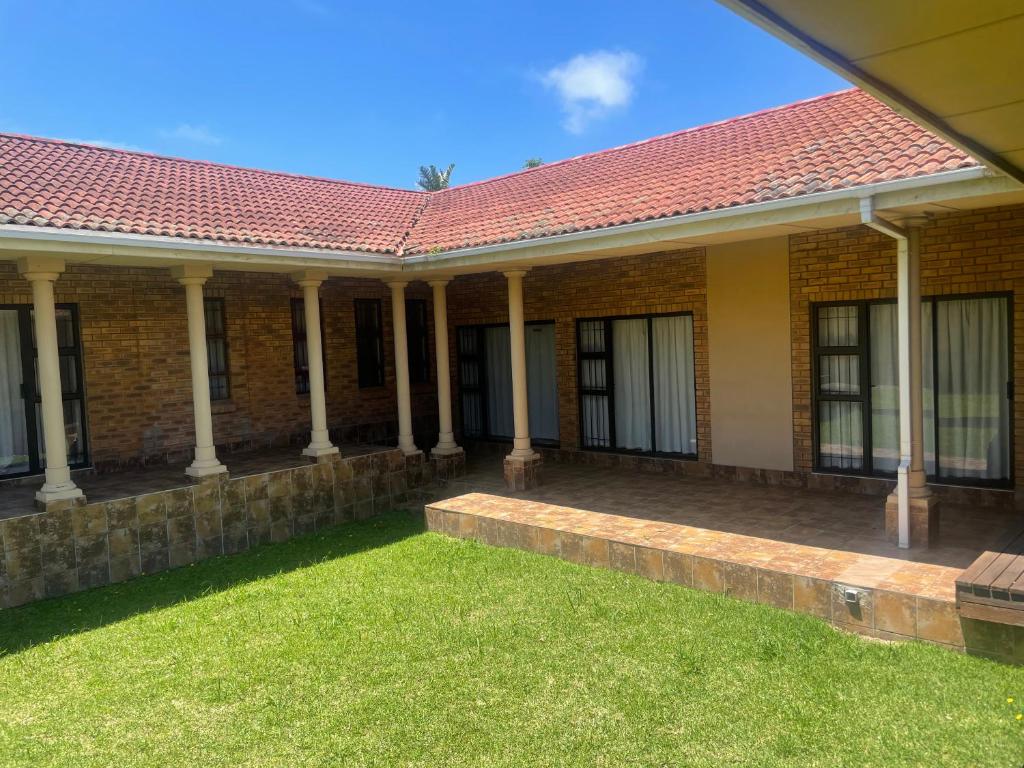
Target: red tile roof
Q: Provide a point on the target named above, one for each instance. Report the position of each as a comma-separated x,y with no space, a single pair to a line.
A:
58,184
832,142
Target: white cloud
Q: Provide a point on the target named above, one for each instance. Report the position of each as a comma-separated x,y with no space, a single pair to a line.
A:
199,134
592,84
106,144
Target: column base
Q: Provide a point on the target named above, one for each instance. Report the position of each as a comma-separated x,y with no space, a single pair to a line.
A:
523,473
924,520
410,450
46,496
205,470
316,452
448,463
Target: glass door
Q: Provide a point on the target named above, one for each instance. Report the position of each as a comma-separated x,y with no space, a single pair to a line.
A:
14,435
22,443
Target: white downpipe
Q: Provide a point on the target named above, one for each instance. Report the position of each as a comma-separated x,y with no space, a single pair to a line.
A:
910,475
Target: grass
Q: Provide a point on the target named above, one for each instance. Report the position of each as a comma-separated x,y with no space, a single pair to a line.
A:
378,644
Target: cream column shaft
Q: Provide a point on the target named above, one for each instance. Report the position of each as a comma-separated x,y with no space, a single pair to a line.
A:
58,483
205,462
319,438
405,439
446,437
517,337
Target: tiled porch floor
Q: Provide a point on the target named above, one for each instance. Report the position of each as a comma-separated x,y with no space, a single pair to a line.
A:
834,536
17,500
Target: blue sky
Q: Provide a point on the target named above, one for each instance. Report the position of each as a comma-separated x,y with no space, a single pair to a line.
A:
370,91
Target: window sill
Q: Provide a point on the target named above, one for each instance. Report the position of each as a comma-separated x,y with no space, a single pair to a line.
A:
218,407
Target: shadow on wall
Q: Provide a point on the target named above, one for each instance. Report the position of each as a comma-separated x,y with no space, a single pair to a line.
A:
47,620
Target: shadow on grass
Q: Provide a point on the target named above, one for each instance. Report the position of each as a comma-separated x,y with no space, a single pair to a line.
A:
41,622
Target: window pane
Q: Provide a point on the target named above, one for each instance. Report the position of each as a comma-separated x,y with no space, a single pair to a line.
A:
467,341
973,368
839,374
675,410
499,382
65,328
472,414
595,425
592,336
631,368
68,375
14,457
592,374
369,343
837,326
840,435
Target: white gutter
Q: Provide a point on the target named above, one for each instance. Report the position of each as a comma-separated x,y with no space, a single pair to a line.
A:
869,218
121,243
816,198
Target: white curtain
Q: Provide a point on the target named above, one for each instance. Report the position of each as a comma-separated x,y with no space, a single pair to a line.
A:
674,406
885,383
541,381
973,364
632,385
498,351
13,436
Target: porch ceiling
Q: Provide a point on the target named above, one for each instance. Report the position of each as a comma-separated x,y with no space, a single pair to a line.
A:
950,66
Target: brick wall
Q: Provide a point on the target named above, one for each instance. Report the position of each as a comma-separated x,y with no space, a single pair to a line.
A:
971,252
633,285
136,360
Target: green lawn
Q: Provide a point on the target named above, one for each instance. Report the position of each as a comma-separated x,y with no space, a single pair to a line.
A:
378,644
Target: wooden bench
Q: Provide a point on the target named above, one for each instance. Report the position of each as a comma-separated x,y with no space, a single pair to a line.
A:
992,587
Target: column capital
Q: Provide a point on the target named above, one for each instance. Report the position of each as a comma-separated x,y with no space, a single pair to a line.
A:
192,274
515,272
309,277
40,268
396,284
440,283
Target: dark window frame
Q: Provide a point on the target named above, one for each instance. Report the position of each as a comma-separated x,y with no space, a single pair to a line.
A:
418,341
370,373
864,335
30,392
299,338
480,360
609,389
222,337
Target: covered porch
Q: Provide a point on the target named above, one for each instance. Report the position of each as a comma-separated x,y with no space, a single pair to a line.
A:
824,553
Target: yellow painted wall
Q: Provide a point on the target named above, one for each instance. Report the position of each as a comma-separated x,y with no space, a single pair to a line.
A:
749,354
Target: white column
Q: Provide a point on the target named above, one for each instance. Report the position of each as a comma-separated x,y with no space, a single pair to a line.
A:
319,438
405,439
517,337
41,274
193,277
446,437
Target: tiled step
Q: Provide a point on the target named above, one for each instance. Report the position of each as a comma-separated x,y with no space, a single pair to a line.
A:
891,599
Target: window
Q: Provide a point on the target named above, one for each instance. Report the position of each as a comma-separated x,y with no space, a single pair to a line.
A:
485,382
369,343
217,349
22,442
965,377
416,332
637,385
300,350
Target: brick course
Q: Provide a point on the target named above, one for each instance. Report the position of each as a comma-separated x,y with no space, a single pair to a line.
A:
136,360
969,252
633,285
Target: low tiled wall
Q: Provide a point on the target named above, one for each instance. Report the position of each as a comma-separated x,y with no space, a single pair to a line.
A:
70,548
583,537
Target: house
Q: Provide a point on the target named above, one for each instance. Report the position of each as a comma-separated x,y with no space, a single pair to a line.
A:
818,298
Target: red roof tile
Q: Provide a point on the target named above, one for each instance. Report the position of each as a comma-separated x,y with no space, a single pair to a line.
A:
832,142
58,184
